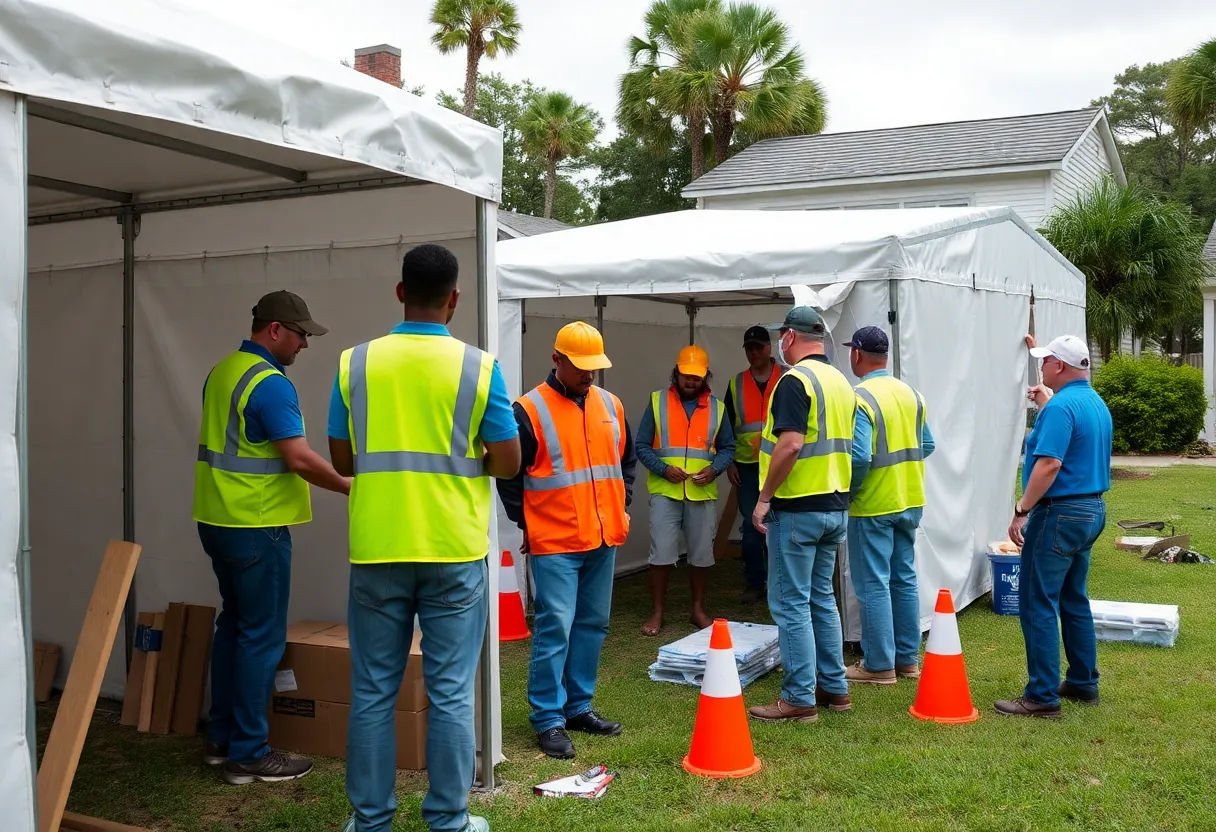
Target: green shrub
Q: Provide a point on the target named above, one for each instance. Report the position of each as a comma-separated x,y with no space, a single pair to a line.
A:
1157,408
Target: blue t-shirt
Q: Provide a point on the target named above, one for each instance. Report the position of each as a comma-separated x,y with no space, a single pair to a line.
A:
272,412
1075,428
497,425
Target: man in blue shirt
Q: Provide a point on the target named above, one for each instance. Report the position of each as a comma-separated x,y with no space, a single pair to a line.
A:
1057,521
244,527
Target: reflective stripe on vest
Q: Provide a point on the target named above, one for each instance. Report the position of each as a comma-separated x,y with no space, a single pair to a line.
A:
693,448
751,404
229,460
896,479
884,457
458,463
664,449
561,478
822,446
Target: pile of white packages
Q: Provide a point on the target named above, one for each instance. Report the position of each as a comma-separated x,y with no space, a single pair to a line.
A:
1153,624
683,661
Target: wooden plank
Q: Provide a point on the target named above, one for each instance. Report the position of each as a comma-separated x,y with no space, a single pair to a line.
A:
726,523
149,692
192,678
135,679
79,698
166,672
80,823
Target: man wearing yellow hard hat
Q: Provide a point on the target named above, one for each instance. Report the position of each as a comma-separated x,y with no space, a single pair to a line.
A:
569,500
686,443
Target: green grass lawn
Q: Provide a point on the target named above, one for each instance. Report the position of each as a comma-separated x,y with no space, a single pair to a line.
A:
1145,759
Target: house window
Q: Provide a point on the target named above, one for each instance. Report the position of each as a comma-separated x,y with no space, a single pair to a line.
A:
938,202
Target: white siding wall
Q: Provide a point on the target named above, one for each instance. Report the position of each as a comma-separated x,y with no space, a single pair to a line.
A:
1088,164
1026,193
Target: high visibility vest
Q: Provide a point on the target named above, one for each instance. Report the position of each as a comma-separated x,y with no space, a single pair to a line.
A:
823,465
420,492
896,480
238,483
574,491
686,443
751,405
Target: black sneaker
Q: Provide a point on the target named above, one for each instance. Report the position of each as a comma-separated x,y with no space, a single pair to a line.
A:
275,767
593,723
1073,694
556,743
215,754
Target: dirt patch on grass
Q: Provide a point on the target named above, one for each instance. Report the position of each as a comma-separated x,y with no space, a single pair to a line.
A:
1130,474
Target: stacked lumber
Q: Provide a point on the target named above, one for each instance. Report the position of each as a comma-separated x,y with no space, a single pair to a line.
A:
169,669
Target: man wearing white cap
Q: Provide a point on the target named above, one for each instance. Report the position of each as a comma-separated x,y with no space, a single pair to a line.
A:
1057,521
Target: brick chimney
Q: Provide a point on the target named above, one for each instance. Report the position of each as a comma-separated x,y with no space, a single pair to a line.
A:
382,62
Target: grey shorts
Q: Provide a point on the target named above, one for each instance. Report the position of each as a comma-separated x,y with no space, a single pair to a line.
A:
698,519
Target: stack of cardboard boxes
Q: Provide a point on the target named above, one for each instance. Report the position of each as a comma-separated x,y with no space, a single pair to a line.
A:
310,708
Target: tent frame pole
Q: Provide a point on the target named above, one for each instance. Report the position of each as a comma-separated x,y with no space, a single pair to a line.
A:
600,303
486,690
893,320
130,222
692,322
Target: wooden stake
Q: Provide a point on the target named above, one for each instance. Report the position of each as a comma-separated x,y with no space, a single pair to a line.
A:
89,662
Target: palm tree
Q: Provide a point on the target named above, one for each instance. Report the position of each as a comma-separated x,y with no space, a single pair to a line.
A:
556,127
1142,259
663,84
1191,90
480,27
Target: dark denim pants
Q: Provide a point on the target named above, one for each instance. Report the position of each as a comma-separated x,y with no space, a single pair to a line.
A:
755,555
1053,598
253,567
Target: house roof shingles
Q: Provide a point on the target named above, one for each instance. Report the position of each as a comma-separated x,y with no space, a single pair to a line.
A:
961,145
1209,250
528,226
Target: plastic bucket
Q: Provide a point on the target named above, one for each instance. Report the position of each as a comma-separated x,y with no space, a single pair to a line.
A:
1006,572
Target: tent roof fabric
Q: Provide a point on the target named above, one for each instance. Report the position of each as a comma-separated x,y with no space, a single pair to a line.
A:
158,67
961,145
526,225
689,254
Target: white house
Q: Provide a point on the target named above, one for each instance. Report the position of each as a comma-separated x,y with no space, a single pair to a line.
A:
1028,163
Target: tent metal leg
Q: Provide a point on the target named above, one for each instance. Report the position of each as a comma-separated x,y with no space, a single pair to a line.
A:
600,303
130,230
692,323
486,235
893,320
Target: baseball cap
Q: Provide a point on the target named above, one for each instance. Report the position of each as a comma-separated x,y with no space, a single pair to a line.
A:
583,345
870,339
804,319
1068,348
756,335
693,361
286,307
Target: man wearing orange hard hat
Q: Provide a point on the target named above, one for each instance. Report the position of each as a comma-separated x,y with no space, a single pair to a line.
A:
686,443
569,500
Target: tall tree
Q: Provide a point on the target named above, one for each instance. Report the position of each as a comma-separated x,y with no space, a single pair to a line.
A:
480,27
1142,259
555,127
1192,88
636,179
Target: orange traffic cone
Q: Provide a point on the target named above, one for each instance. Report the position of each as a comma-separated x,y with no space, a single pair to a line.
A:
511,623
721,740
943,694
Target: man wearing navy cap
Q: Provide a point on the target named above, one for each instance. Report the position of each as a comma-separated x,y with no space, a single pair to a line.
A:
747,398
891,439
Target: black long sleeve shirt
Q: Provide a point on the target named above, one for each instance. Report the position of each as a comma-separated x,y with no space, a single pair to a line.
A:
511,491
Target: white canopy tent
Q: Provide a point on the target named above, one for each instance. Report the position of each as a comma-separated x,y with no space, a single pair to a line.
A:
952,288
161,171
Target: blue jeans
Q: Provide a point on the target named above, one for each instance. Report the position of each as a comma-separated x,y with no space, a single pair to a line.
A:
801,561
253,567
573,603
754,571
1055,565
882,558
451,604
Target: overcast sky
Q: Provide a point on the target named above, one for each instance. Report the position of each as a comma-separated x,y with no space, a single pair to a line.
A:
883,63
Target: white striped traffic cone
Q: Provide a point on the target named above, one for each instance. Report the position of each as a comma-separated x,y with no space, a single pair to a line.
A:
721,740
511,623
943,694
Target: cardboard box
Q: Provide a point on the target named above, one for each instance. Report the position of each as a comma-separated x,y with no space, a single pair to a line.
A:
316,666
46,662
308,726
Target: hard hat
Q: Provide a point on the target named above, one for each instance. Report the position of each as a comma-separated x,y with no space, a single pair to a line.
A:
693,361
583,345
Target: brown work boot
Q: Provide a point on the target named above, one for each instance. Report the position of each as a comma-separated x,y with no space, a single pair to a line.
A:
782,711
909,671
835,701
1024,707
858,673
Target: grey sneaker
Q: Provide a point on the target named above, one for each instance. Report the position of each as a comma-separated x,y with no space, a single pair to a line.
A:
215,754
476,824
275,767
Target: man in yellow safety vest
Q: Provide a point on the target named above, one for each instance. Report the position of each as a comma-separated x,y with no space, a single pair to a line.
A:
803,509
891,439
250,487
422,421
